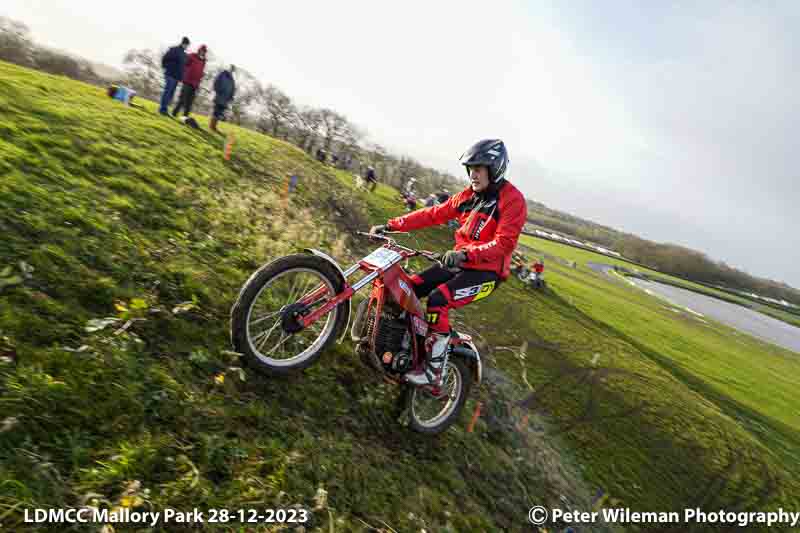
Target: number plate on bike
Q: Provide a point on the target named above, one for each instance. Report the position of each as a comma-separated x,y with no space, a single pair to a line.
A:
382,258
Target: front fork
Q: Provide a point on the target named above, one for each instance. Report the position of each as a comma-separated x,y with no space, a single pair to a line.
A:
346,294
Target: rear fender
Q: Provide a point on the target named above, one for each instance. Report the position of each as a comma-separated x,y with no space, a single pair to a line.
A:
340,272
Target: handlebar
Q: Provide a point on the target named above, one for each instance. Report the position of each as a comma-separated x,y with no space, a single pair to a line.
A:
430,256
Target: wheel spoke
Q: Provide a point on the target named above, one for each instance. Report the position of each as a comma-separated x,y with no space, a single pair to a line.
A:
284,338
266,334
294,292
304,292
263,318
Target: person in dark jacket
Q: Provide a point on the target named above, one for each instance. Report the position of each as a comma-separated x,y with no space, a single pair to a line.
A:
192,76
173,63
224,91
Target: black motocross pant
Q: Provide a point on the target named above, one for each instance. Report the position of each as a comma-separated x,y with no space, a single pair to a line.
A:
186,100
447,290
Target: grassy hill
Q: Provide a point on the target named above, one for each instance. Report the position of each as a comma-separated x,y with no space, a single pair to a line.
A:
126,237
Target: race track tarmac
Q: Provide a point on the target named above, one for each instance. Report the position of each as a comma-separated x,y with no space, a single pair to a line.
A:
746,320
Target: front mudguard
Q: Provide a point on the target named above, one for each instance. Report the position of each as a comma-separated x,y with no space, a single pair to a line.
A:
340,272
469,353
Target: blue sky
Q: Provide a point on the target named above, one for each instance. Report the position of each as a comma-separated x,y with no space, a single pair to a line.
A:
673,120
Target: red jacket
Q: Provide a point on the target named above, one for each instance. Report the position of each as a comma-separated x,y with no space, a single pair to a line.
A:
194,70
490,225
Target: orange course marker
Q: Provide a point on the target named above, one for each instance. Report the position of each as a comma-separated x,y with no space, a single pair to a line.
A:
229,147
475,416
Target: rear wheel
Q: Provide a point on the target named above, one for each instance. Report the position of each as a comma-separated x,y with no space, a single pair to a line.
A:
265,320
433,413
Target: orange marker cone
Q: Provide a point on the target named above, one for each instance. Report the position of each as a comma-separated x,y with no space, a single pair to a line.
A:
229,146
475,416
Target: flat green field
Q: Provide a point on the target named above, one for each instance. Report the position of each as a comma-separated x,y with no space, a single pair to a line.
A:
110,214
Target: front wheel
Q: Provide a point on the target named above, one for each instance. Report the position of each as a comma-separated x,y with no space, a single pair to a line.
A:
265,320
432,414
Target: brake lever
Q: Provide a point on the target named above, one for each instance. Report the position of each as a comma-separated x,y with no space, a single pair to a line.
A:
372,236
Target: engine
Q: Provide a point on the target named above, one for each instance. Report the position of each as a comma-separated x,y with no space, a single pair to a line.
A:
392,339
393,344
390,335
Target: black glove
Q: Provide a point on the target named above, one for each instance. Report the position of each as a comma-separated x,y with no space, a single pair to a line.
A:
378,230
453,259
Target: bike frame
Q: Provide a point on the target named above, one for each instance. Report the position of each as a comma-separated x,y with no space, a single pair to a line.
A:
388,279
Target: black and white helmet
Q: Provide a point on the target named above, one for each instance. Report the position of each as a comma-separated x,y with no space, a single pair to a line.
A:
491,153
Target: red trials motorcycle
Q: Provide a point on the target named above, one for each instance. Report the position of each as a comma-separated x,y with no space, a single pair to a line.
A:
291,310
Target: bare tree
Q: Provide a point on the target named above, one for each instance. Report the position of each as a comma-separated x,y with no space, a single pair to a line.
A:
143,72
333,127
349,146
64,65
277,112
309,128
16,45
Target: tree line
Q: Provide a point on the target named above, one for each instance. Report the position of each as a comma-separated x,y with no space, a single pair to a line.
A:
17,46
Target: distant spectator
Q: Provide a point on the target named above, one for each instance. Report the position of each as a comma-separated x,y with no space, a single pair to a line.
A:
173,64
321,155
538,272
443,196
224,90
430,200
409,188
192,76
372,179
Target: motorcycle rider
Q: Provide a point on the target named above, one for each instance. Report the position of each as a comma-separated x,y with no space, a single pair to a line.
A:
491,213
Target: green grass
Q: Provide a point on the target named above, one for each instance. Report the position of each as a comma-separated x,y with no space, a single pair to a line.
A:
110,212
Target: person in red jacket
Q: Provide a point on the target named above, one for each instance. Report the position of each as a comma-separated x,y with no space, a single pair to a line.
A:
491,213
192,76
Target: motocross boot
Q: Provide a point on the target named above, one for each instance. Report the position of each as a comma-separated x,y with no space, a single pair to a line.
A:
431,373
